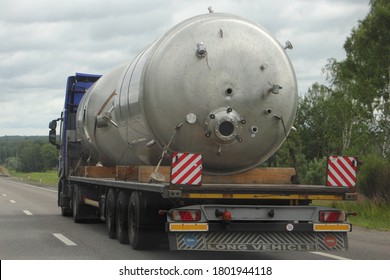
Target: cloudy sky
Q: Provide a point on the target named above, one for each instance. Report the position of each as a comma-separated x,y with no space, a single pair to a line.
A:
44,41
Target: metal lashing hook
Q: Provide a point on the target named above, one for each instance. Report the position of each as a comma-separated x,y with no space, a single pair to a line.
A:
294,178
158,177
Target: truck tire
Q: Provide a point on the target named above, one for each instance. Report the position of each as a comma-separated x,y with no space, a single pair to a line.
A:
140,236
121,217
112,197
135,238
66,211
76,204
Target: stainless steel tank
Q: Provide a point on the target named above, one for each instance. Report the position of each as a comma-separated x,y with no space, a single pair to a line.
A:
215,84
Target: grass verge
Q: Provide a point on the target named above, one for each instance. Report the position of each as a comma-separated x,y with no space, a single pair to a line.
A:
46,178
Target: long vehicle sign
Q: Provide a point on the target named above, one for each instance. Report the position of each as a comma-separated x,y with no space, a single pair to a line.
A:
256,241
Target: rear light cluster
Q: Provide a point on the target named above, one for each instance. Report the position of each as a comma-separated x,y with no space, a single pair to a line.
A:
332,216
224,214
185,215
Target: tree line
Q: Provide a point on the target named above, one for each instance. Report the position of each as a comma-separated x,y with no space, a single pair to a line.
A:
28,154
350,115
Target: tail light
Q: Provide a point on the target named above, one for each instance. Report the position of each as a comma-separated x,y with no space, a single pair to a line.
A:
185,215
332,216
227,216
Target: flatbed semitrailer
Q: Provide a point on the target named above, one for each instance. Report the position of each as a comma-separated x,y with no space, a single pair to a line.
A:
221,90
267,216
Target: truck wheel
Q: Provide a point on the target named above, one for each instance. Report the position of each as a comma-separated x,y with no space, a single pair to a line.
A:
121,217
66,212
76,204
112,197
133,218
140,236
65,209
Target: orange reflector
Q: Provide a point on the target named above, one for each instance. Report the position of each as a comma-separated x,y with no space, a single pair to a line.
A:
332,227
188,227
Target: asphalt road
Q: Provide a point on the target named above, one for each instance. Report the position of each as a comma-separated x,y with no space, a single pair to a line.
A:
31,228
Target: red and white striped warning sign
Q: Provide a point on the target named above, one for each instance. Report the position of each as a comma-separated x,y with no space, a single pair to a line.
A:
341,171
186,169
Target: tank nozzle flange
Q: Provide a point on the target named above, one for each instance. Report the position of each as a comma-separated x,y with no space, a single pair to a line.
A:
224,125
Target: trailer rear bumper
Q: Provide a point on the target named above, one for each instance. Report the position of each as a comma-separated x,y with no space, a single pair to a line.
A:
257,228
260,227
258,241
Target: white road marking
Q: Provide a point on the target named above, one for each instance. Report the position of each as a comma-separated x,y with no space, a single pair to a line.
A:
28,213
35,187
64,239
4,194
12,201
329,256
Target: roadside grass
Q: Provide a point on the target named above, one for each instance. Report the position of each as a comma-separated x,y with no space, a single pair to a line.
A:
4,171
370,214
46,178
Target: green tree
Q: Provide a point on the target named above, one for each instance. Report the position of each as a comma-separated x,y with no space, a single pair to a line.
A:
30,157
7,148
12,163
365,73
49,155
374,178
28,154
351,116
318,123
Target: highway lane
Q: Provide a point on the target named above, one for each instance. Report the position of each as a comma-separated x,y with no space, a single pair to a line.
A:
31,228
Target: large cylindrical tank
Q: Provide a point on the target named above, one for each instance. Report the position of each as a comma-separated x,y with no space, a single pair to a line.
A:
215,84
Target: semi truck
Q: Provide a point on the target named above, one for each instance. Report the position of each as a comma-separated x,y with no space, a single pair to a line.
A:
168,146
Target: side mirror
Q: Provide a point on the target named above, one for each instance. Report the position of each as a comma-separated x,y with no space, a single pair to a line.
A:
53,133
53,125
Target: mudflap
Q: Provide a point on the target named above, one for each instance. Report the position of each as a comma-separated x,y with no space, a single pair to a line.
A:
88,212
258,241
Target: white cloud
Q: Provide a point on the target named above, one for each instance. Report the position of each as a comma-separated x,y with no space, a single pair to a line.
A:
44,41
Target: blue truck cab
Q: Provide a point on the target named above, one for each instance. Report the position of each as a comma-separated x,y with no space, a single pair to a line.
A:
76,87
